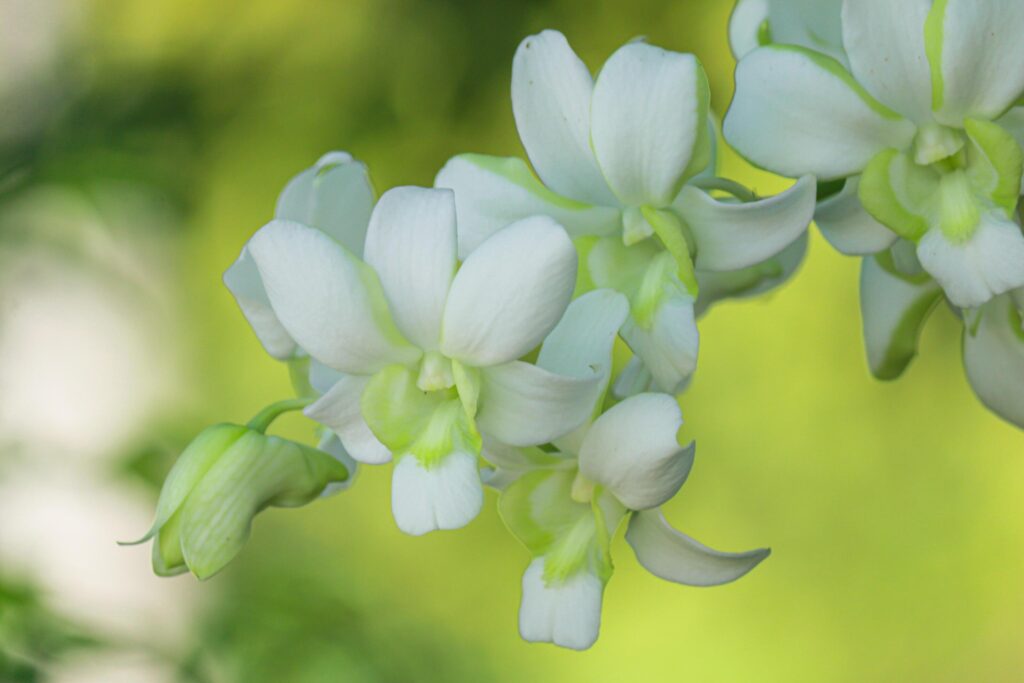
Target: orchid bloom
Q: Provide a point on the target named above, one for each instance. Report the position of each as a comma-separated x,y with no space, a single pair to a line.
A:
227,475
628,159
427,350
565,503
913,109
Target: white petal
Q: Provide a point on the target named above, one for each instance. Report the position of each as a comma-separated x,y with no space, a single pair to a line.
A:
510,293
674,556
492,192
989,263
633,450
669,345
339,410
634,379
994,359
551,91
567,614
745,26
730,236
448,495
813,24
411,245
244,282
978,44
751,281
321,377
335,196
885,44
328,300
847,225
1013,123
524,405
649,107
894,310
797,112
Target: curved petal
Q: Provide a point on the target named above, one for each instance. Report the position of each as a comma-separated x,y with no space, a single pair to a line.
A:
885,44
335,196
747,25
894,310
331,444
750,281
976,56
989,263
411,245
633,450
551,92
797,112
509,294
339,410
730,235
674,556
244,282
994,360
329,301
650,111
847,225
634,379
667,341
524,405
566,613
492,192
447,495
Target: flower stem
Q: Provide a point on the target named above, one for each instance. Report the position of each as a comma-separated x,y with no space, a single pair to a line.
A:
266,417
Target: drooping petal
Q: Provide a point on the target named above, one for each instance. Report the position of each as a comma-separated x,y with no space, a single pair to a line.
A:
492,192
244,282
525,405
566,613
411,244
976,57
329,301
447,495
994,360
747,26
989,263
551,94
633,450
339,409
335,196
885,44
847,225
509,294
731,235
894,309
649,113
798,112
674,556
716,286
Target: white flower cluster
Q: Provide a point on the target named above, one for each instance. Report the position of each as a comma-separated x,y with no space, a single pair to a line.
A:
466,331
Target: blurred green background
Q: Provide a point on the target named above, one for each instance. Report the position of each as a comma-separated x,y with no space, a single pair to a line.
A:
141,143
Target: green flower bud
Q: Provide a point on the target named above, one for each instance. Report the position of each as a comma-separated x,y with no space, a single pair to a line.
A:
225,477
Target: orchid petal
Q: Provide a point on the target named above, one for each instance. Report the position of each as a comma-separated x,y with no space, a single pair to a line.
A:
847,225
244,282
566,613
994,360
747,22
339,409
509,294
446,495
716,286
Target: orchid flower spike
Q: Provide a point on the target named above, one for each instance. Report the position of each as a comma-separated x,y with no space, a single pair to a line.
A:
565,503
912,113
425,352
227,475
628,159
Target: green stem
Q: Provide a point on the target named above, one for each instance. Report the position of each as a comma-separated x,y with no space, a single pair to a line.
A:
725,185
266,417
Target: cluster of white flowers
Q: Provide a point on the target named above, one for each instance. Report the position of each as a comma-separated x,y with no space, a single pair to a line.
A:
466,331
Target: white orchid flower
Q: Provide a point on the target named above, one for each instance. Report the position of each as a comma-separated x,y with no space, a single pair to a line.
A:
627,158
565,503
924,127
994,356
335,196
427,350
